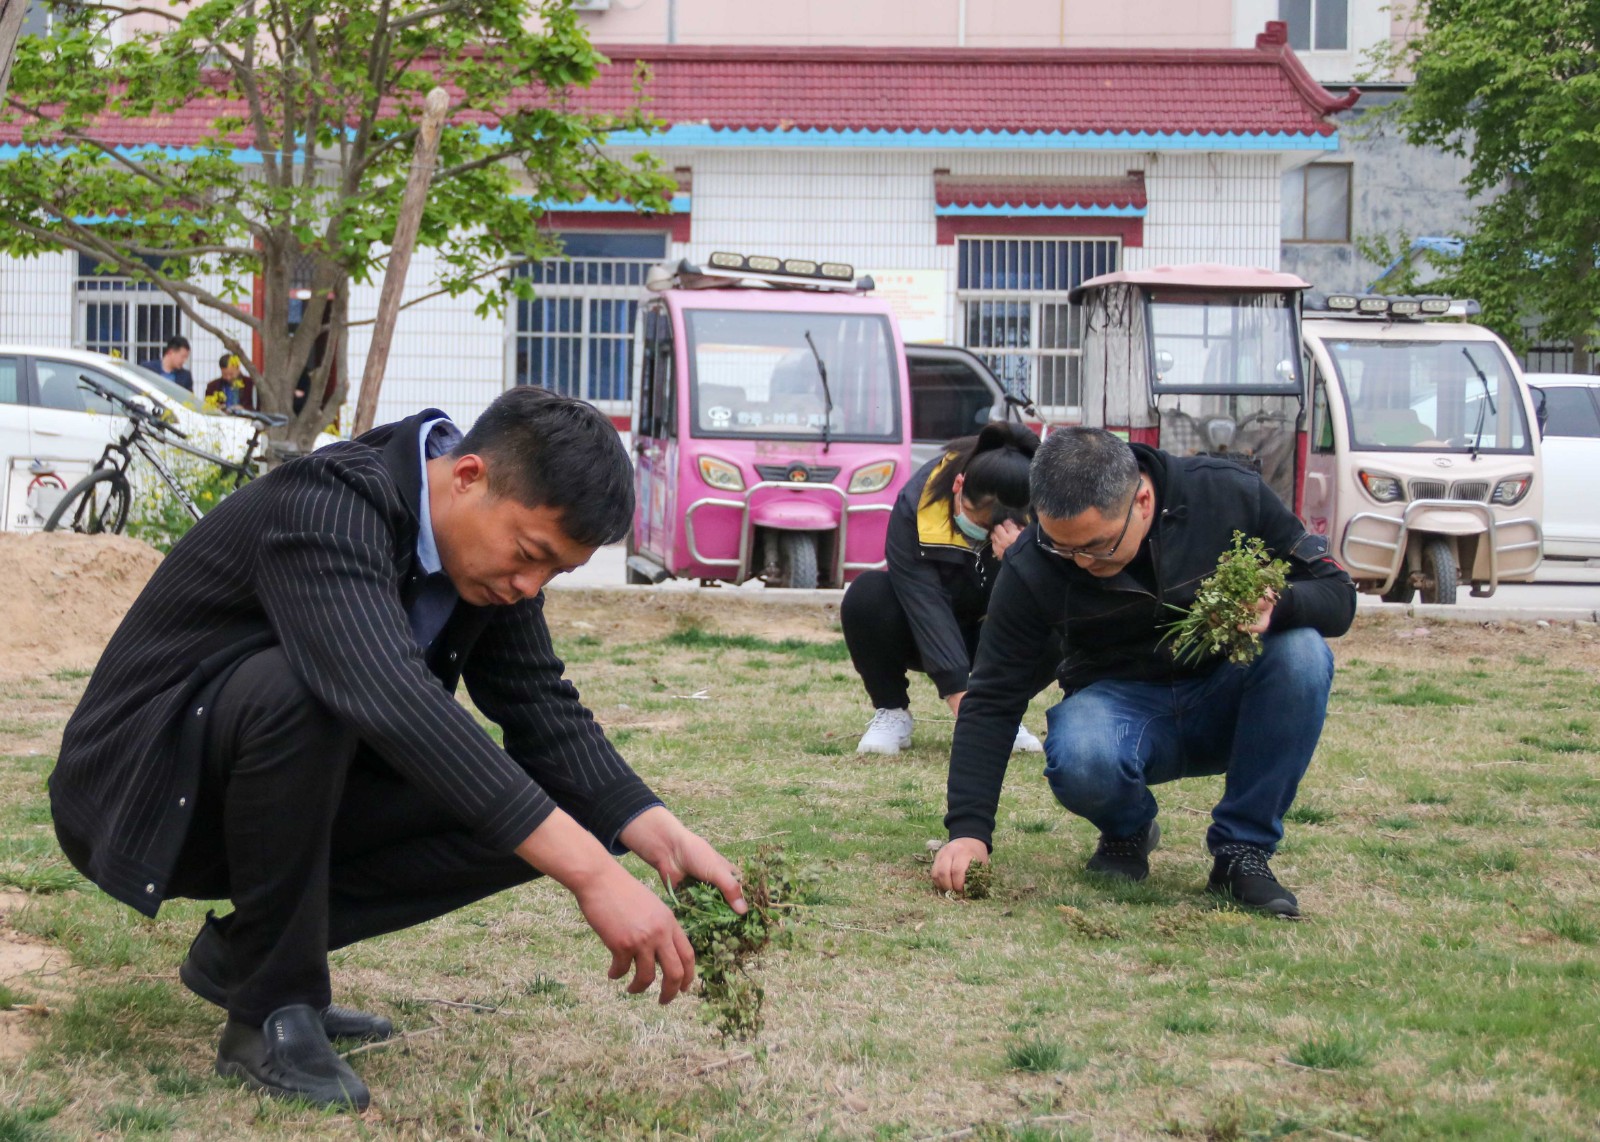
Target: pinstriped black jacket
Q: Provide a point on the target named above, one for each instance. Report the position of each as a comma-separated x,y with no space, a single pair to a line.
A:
319,557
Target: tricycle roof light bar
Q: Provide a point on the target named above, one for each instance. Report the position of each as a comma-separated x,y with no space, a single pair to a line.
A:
724,270
1369,306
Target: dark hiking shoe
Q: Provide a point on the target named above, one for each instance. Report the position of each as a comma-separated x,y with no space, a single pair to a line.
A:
1241,873
289,1056
1126,858
205,969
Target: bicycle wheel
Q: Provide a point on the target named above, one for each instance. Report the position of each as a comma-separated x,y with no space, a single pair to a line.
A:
96,505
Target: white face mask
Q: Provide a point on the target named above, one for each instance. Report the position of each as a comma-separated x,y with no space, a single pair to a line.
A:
969,529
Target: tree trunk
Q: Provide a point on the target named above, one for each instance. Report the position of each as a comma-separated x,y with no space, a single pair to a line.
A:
12,13
405,238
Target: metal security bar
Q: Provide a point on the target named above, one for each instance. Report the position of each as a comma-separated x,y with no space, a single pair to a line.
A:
576,335
121,317
1016,316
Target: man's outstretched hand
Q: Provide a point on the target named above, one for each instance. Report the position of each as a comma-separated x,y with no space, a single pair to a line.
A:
639,931
951,864
636,926
661,841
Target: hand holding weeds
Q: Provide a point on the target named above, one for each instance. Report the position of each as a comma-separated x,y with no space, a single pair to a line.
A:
725,939
952,864
1233,607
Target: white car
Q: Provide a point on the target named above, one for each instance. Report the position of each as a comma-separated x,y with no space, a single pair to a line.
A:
53,429
1568,406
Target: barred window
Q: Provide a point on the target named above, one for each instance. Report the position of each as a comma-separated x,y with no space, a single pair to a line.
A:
576,335
122,317
1015,313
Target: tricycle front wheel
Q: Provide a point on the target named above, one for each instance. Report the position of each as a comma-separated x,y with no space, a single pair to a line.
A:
1441,577
797,560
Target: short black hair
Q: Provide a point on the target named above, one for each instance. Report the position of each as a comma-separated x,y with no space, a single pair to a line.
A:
175,342
227,359
543,449
1077,469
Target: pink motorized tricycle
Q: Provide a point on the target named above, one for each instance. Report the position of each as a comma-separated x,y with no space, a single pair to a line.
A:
771,424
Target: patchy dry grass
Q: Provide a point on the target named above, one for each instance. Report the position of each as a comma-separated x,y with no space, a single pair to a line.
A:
1445,983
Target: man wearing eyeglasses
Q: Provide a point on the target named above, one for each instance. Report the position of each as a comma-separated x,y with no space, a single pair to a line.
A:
1123,535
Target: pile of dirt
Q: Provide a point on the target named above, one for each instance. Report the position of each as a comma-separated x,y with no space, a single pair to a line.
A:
64,596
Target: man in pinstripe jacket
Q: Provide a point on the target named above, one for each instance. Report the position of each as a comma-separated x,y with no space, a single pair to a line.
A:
274,722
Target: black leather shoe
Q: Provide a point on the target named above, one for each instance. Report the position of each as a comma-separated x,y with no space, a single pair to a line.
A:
289,1056
1241,873
206,967
1125,858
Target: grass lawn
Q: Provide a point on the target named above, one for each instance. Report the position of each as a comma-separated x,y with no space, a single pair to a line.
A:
1444,983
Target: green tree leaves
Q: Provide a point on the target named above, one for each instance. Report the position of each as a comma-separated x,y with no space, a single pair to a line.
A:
303,115
1515,86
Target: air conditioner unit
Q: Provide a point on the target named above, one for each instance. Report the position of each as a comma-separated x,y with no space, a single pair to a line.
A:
591,5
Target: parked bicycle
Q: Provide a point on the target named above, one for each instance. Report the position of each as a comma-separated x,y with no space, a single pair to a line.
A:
98,503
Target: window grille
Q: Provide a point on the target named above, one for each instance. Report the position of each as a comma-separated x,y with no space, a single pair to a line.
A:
1016,316
122,317
576,335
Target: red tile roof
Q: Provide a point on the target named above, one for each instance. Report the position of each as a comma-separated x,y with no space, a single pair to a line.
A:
1264,90
1041,192
1243,91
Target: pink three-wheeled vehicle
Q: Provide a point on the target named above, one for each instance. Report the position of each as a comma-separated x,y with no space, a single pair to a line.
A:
771,424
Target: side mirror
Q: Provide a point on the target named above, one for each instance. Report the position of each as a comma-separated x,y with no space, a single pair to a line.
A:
1285,371
1164,363
1541,411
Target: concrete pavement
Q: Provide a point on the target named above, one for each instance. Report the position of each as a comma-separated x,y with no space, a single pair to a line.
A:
1561,594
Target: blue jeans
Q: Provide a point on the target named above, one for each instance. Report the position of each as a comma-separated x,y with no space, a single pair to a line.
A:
1259,724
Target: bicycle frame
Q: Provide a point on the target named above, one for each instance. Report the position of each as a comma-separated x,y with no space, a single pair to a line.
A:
117,457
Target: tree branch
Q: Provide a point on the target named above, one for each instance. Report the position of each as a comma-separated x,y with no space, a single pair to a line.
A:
492,270
80,238
427,14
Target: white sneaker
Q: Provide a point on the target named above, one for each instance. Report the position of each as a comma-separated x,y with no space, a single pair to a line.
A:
1026,742
888,732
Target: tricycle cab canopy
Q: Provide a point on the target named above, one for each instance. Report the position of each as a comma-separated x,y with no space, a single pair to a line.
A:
1198,359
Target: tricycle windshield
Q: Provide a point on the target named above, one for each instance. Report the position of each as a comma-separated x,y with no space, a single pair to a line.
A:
1430,396
760,374
1223,343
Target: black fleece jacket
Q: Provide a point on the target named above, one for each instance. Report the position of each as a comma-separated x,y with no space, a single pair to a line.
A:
942,579
1114,628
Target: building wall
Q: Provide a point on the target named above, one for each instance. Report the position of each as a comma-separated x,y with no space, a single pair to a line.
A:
872,209
918,23
1396,189
36,300
1373,24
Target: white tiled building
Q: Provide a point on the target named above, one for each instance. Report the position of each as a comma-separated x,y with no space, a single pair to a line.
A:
987,181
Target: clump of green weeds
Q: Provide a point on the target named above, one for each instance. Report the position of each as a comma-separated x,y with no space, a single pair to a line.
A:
1225,606
724,941
980,881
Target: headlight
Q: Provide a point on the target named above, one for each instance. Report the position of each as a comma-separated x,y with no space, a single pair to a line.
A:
721,474
1384,489
1511,491
872,478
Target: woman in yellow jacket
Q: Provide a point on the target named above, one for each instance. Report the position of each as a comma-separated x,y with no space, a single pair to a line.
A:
949,529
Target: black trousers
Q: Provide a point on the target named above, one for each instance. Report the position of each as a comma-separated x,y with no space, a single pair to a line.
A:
316,840
882,646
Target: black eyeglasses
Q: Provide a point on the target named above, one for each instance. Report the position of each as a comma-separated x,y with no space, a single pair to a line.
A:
1073,552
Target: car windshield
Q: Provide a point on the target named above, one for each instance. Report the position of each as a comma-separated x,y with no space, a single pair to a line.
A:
1223,343
1430,396
754,374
